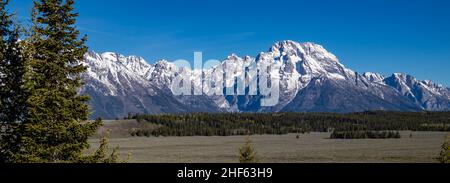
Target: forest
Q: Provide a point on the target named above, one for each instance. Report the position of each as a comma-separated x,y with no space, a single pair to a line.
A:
375,124
365,135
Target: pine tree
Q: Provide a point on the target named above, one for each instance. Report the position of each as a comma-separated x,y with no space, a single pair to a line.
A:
102,155
247,153
12,92
444,155
55,129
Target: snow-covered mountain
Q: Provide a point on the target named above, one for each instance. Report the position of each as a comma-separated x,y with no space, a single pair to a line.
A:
311,80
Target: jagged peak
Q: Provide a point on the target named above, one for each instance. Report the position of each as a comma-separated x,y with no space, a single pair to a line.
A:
162,62
286,46
431,84
134,57
374,77
112,56
289,47
289,44
372,74
401,76
428,82
398,74
304,66
234,56
286,43
413,80
404,77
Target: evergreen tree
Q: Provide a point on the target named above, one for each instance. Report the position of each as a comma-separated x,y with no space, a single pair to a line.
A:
101,154
444,156
12,93
247,153
55,129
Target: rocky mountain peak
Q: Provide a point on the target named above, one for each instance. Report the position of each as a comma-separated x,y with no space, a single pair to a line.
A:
311,79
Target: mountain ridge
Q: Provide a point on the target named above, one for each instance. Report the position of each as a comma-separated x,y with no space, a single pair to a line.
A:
311,80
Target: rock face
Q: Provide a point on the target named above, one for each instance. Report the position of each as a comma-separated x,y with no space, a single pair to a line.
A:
311,80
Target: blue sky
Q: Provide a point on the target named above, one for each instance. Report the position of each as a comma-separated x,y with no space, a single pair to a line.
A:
385,36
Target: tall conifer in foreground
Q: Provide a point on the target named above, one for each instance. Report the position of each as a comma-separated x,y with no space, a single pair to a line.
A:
55,129
12,93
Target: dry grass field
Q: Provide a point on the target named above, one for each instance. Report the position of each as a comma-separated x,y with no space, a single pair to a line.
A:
422,147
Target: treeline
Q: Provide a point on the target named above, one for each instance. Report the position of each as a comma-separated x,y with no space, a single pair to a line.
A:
229,124
365,135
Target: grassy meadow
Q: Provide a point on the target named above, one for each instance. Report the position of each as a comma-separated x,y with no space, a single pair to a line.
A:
413,147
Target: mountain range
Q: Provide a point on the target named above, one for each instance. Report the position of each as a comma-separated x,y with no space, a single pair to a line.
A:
311,80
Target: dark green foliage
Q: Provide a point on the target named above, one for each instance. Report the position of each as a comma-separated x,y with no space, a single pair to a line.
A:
54,130
365,135
102,155
444,155
247,153
13,95
12,69
43,118
228,124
